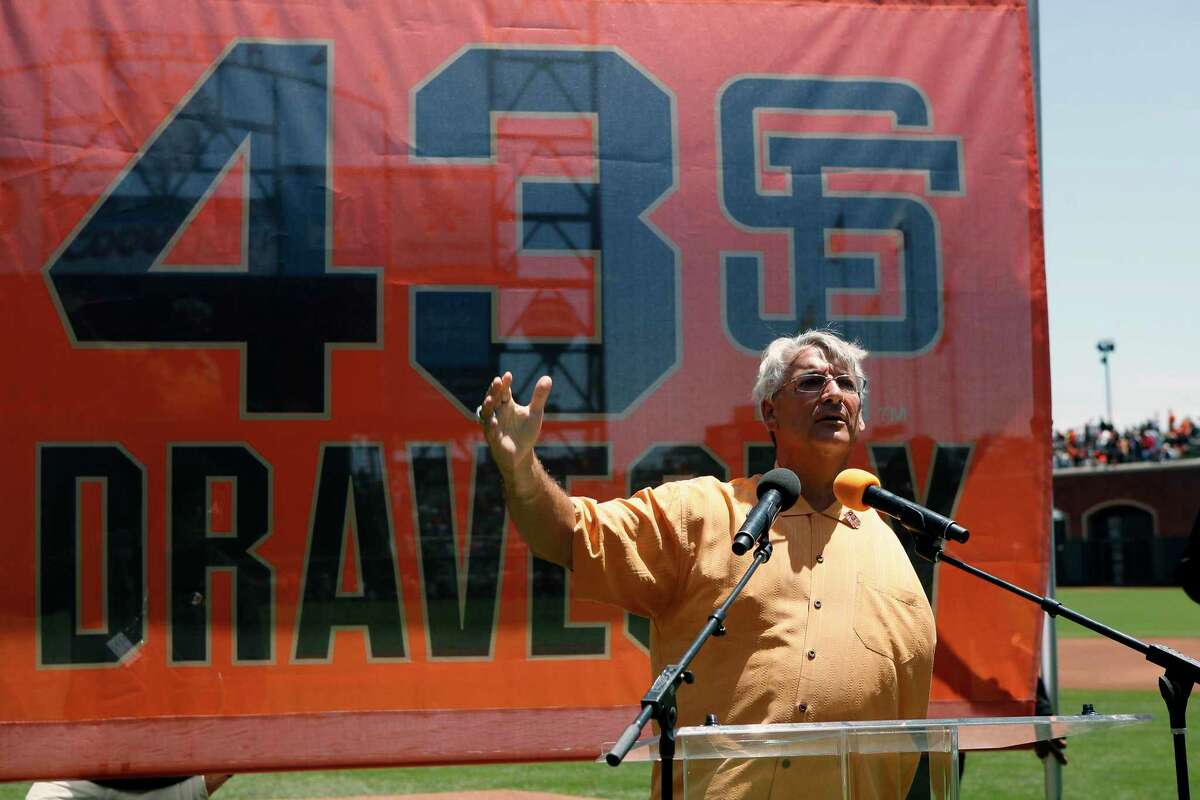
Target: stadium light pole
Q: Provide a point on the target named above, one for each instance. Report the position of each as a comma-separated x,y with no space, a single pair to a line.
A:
1106,346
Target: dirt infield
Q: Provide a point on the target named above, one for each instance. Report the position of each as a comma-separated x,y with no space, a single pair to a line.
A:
1096,663
494,794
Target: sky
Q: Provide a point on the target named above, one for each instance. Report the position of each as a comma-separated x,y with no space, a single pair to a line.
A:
1120,93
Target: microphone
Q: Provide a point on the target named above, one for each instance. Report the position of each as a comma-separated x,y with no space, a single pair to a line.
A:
778,491
860,489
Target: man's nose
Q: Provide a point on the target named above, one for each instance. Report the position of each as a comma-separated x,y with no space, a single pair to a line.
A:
830,389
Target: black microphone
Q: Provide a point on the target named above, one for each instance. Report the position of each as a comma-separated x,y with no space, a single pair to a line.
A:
778,491
859,489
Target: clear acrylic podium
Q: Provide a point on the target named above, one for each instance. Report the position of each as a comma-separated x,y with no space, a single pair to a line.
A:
830,759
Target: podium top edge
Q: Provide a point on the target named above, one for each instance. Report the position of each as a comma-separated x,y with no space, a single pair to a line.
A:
913,725
879,736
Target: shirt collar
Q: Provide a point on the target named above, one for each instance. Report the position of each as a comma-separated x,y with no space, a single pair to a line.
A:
835,510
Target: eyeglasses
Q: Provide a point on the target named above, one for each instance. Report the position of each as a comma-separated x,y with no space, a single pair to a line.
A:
813,382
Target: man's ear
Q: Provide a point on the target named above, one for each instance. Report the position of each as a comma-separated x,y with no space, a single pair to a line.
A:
767,408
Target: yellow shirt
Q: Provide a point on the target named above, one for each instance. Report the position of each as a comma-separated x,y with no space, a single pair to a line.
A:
834,627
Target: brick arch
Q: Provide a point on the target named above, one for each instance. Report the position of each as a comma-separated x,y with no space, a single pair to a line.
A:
1091,511
1126,556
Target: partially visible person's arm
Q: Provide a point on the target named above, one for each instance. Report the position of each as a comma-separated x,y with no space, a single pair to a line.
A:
540,509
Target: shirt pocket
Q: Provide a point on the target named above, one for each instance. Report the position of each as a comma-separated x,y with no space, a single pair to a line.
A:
892,622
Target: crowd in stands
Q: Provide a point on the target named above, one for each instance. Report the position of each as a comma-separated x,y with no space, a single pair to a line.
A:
1100,444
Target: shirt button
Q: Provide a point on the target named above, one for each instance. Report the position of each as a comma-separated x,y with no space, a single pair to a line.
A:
820,558
812,654
816,604
802,707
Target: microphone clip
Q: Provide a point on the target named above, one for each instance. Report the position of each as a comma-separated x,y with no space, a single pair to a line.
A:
926,545
765,547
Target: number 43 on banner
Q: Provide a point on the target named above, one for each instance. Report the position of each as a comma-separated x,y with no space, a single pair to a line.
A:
284,308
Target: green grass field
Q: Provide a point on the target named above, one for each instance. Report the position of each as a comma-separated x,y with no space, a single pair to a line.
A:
1145,613
1132,762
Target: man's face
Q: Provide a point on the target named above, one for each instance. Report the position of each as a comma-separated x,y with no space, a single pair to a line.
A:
829,418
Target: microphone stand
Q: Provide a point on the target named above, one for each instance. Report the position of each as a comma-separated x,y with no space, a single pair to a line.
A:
659,702
1181,673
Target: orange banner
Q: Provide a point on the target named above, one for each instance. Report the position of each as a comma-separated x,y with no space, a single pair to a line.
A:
261,261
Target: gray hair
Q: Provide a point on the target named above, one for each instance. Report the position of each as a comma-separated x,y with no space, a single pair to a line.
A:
772,369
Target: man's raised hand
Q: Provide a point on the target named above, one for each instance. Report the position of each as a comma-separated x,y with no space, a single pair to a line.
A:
539,507
512,429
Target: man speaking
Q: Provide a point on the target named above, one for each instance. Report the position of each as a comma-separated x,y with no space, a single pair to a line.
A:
833,627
